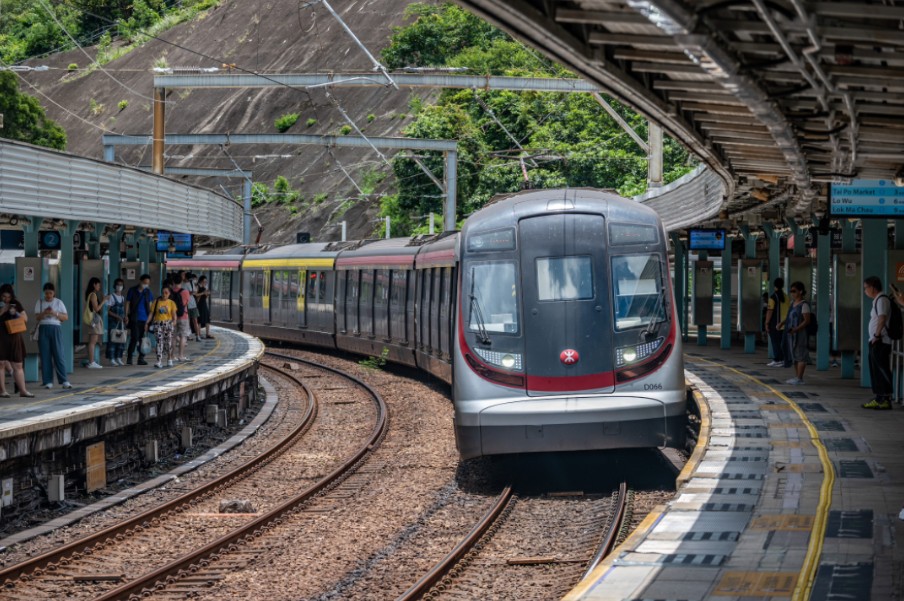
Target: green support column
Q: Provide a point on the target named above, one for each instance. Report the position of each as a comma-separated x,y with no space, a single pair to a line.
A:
800,242
701,330
94,241
66,290
823,261
848,245
31,228
144,249
115,239
679,279
132,245
749,253
899,235
726,295
875,259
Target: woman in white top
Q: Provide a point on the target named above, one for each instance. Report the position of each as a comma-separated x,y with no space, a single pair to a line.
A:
51,313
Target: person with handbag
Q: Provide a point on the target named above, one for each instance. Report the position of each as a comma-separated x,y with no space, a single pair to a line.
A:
116,323
163,319
51,313
92,320
12,346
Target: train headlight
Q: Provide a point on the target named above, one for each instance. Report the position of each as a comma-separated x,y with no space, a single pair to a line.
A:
506,360
626,355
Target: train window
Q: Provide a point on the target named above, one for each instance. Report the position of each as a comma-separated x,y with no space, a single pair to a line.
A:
639,297
631,233
312,287
398,287
564,278
493,294
381,287
324,291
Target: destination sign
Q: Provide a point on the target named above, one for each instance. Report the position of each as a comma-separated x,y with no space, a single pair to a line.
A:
867,198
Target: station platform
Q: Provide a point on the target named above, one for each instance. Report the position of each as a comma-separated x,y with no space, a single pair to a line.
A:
794,492
104,400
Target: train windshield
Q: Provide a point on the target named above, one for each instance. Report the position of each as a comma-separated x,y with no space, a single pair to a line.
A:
564,278
639,296
494,300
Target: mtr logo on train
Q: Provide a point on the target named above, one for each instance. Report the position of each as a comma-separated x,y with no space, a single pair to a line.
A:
569,356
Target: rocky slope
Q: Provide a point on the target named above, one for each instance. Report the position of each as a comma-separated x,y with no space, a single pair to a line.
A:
270,36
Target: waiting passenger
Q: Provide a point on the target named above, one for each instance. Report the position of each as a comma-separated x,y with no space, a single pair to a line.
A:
183,327
95,325
12,346
202,295
879,345
138,312
776,314
163,319
116,323
799,316
52,313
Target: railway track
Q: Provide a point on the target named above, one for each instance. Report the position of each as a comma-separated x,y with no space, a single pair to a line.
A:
454,574
113,563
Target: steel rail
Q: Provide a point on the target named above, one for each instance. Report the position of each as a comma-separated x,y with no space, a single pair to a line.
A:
422,586
51,559
185,565
612,533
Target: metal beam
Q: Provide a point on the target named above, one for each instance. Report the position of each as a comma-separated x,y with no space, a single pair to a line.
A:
624,124
359,80
301,139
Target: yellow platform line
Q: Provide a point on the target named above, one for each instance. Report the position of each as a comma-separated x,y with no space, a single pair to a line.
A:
639,534
807,573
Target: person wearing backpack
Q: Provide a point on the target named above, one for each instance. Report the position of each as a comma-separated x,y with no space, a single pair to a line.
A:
776,314
797,325
879,345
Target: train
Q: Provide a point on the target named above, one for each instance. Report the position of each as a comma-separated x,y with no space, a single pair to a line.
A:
551,314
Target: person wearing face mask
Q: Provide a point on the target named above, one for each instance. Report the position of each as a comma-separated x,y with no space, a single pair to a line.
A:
116,320
137,311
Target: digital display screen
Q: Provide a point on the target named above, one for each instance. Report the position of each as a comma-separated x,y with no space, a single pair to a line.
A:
182,242
867,198
706,240
494,240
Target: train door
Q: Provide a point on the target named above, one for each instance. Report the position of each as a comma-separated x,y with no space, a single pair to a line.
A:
301,304
268,315
567,318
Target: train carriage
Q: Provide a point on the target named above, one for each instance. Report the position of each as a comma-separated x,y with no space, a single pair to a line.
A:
224,282
375,290
551,314
288,294
437,284
566,327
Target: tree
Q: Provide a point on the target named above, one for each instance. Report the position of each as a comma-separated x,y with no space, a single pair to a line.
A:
24,118
508,141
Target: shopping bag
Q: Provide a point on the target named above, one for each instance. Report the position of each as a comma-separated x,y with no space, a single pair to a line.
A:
15,326
146,346
119,335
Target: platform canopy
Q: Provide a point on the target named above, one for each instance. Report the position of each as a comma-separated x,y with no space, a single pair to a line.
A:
37,182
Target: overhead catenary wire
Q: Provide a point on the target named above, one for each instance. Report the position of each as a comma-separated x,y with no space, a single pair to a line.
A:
52,14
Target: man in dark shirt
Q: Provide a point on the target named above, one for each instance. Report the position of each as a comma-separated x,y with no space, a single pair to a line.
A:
138,309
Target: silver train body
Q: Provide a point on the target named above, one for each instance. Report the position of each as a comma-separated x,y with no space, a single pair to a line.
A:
551,315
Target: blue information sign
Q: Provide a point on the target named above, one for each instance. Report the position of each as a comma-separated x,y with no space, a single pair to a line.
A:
867,198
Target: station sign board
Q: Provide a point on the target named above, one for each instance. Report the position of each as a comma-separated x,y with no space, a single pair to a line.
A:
865,198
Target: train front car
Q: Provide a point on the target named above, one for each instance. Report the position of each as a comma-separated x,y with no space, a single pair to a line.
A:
566,328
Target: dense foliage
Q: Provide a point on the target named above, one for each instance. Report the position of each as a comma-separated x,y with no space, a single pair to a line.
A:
564,139
30,28
24,118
